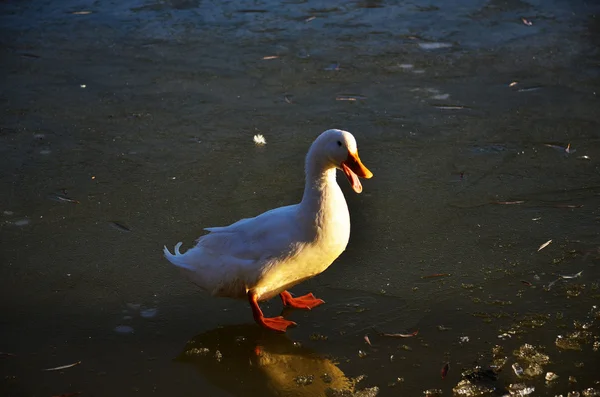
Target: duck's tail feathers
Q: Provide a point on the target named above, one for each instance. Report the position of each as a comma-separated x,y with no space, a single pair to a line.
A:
176,259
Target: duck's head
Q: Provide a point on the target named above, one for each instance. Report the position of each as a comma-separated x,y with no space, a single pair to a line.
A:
339,149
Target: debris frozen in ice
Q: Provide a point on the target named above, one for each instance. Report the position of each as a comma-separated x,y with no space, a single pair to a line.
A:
395,382
470,389
359,378
203,351
304,380
566,343
520,389
517,369
533,370
479,374
240,339
575,290
590,392
367,392
531,355
534,360
550,376
317,336
498,357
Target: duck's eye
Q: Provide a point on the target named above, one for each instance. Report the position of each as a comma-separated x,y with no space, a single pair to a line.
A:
339,143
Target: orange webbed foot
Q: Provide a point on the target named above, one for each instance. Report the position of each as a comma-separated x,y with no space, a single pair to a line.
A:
278,324
305,302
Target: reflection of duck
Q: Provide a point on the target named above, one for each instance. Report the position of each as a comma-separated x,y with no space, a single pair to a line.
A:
245,360
261,257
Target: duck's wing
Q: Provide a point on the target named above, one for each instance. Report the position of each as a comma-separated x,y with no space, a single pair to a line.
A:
274,215
241,252
269,235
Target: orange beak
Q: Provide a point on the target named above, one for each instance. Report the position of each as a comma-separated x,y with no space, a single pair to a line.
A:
354,168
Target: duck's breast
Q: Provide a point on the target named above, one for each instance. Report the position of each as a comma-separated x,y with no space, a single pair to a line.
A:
323,241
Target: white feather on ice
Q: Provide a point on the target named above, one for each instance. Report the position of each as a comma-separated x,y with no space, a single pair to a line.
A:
259,140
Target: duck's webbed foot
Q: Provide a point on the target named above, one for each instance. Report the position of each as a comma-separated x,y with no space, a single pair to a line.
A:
278,324
305,302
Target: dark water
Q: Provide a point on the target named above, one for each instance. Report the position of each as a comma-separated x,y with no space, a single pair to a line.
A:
144,113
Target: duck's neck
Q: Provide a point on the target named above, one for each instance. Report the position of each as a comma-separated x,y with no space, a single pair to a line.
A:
320,186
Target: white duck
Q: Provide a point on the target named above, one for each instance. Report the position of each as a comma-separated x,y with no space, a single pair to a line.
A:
258,258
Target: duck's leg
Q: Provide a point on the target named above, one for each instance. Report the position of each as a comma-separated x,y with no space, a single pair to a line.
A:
279,324
306,302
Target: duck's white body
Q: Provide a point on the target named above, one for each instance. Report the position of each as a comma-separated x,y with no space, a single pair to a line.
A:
273,251
280,248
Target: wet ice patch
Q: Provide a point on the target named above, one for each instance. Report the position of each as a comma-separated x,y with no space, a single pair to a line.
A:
123,329
488,149
8,213
303,54
434,46
428,90
529,89
22,222
148,313
333,66
441,97
406,66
